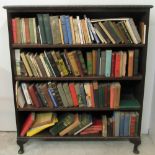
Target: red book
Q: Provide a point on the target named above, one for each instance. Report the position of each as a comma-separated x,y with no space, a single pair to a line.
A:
132,124
14,30
92,96
27,31
117,65
27,124
113,64
73,94
33,94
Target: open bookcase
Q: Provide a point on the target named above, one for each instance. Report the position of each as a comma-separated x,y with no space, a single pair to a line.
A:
129,84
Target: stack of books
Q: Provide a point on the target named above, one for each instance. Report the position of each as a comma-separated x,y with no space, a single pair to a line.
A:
56,95
65,29
69,124
97,62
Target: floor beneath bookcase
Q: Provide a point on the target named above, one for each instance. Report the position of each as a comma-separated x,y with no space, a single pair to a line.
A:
8,147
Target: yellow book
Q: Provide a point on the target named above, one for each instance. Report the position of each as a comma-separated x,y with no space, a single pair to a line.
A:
26,64
36,130
73,63
72,28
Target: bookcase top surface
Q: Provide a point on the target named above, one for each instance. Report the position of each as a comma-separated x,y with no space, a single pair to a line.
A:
37,7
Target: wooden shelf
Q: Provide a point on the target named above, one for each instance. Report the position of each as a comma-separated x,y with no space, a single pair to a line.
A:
83,109
85,78
20,46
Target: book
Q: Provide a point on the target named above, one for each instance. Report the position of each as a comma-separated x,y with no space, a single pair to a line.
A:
88,94
63,121
130,62
121,128
56,34
71,127
136,62
68,28
89,63
64,29
117,123
26,93
96,93
126,124
108,63
20,98
41,28
18,62
47,27
72,29
36,102
73,94
62,94
27,123
76,31
68,94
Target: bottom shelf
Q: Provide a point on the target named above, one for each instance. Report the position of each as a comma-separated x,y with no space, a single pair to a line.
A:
46,136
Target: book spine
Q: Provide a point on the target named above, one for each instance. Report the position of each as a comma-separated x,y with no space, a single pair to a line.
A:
108,63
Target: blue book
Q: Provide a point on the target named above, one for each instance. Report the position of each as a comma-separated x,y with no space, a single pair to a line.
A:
126,124
64,29
52,96
69,32
108,63
90,26
121,125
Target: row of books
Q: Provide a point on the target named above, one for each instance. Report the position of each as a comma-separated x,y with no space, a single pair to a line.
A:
83,124
46,29
98,62
56,95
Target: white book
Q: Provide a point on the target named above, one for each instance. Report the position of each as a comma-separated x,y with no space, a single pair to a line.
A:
35,30
108,19
89,29
18,61
144,38
80,30
45,67
26,93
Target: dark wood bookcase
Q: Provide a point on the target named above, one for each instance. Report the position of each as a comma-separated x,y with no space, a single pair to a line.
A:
135,83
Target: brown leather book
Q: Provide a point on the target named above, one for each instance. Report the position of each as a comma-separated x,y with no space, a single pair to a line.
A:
34,96
44,89
130,62
71,127
40,66
18,30
94,54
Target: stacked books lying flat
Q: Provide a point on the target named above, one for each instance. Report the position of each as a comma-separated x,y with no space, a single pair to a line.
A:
46,29
69,124
56,95
97,62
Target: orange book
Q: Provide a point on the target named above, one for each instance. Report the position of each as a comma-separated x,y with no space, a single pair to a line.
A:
92,95
18,29
130,62
27,31
14,30
94,56
73,94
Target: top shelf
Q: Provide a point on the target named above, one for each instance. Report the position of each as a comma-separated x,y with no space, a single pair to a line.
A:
20,46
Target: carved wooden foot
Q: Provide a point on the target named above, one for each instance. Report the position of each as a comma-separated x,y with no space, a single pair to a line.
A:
136,143
21,146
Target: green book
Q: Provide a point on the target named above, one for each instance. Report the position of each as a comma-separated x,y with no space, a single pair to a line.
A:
64,121
136,62
128,101
62,94
108,63
89,63
41,28
47,27
85,122
31,28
